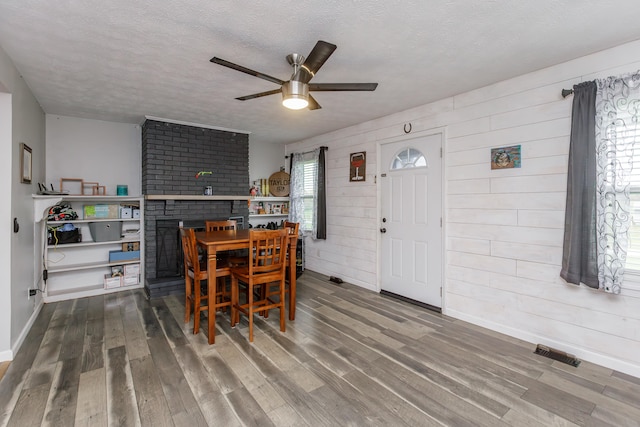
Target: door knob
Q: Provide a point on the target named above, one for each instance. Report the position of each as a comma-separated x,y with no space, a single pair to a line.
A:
383,230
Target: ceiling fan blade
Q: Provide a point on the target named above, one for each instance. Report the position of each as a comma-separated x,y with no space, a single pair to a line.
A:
317,57
246,70
313,104
261,94
342,87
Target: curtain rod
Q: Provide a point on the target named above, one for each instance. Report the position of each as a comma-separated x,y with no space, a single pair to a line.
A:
326,148
566,92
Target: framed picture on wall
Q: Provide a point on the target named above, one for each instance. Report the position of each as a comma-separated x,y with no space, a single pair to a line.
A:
358,167
25,163
506,157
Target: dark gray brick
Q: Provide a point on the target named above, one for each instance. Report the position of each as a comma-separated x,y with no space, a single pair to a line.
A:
172,154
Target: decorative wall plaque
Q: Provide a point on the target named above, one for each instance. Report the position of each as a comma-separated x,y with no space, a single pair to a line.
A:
279,184
358,167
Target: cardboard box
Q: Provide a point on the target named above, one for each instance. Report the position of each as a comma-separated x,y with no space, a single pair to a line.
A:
125,212
101,211
112,282
131,269
115,256
130,246
130,279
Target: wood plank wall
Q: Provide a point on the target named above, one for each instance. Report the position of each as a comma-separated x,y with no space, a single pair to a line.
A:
503,228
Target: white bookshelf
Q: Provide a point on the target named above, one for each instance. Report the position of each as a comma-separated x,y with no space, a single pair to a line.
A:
76,270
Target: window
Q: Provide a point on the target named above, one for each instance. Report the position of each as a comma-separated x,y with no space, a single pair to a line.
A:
304,175
309,175
633,254
629,154
409,158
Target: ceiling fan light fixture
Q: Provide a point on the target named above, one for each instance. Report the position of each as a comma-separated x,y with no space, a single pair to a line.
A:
295,95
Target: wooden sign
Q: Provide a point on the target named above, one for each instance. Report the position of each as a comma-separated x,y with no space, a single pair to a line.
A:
279,184
358,167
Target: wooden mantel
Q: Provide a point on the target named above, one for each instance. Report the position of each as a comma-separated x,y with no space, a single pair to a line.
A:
192,197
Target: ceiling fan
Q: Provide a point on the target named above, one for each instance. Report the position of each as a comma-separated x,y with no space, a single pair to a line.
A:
295,91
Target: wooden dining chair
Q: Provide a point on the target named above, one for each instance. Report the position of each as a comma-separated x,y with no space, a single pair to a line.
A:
233,258
266,265
219,225
269,291
292,228
195,275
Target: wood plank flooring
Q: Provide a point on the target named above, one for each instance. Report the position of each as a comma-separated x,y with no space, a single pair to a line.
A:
351,357
3,368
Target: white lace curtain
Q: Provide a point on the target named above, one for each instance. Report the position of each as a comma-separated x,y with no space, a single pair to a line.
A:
617,137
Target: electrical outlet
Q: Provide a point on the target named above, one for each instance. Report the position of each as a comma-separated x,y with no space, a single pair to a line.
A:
31,293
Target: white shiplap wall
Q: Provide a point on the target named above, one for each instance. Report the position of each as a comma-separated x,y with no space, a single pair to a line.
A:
503,228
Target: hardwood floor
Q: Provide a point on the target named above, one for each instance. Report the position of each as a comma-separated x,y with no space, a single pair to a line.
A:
351,357
3,368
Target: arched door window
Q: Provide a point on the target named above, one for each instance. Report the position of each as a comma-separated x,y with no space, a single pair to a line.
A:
408,158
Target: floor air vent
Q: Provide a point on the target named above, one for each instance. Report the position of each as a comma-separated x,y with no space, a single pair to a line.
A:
558,355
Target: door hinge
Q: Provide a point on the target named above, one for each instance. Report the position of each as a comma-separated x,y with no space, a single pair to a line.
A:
440,222
441,292
440,152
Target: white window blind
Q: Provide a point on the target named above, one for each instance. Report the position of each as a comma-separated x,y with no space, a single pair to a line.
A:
303,197
627,141
310,168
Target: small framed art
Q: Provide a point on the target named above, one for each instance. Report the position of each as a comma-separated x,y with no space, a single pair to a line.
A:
506,157
358,167
26,163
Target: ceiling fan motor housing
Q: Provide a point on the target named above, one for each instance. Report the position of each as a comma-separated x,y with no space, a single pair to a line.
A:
295,90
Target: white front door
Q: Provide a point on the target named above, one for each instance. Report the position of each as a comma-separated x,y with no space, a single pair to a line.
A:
411,221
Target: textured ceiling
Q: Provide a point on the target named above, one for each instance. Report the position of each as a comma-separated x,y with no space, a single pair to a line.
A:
119,60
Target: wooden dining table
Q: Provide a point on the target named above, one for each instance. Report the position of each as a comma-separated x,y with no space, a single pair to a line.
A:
228,240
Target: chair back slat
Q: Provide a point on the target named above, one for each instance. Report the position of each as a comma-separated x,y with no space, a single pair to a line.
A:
190,250
269,249
292,227
230,224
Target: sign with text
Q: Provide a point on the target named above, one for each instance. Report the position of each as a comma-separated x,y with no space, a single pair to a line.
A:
279,184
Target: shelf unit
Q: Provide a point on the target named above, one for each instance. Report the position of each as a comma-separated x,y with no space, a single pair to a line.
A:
77,270
256,219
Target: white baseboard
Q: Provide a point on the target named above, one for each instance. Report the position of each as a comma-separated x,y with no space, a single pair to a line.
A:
10,354
580,353
350,280
6,355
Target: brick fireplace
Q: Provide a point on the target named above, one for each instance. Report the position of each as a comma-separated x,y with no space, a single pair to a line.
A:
172,156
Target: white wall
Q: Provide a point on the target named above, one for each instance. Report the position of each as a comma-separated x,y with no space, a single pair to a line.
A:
264,160
96,151
21,120
5,249
110,153
504,228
